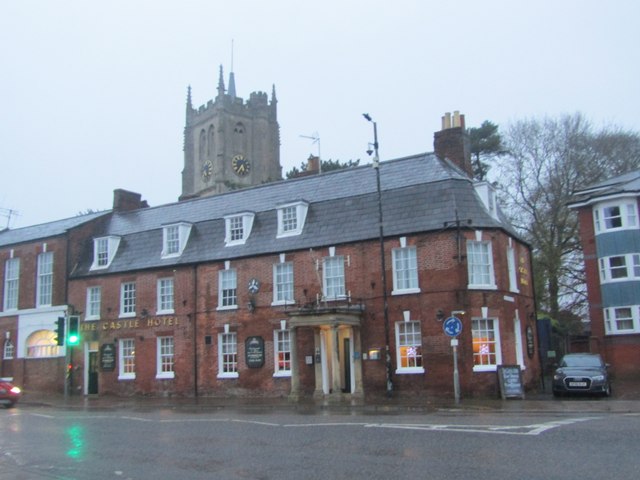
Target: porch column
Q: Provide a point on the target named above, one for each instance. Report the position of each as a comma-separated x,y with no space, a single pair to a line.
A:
295,375
317,343
335,361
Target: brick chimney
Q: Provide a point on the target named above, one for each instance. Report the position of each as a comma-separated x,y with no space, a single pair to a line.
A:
313,167
313,164
452,142
124,200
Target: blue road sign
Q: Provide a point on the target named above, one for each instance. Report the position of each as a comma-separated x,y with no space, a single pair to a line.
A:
452,326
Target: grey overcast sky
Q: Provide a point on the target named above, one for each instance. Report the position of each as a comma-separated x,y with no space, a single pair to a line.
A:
93,93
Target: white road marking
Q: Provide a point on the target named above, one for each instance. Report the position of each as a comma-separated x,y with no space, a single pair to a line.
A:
532,429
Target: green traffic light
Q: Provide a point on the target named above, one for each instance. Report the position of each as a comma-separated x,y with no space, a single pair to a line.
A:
73,338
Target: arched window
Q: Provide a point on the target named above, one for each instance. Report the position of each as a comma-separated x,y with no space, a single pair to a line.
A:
41,344
202,146
210,150
239,138
7,353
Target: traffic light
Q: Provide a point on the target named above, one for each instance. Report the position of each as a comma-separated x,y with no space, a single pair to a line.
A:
60,331
73,338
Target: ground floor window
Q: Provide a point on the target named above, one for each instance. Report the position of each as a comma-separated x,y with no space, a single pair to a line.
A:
42,344
621,320
486,344
127,359
227,355
165,358
7,353
409,351
282,354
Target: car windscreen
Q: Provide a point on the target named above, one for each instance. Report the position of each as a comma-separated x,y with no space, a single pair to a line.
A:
581,361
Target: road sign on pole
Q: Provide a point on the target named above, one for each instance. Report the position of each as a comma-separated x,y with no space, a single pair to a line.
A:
452,326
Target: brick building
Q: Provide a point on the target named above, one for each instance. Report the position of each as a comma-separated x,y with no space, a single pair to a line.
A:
610,238
35,264
278,289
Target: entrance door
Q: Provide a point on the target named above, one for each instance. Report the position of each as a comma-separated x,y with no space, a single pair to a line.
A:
346,360
93,373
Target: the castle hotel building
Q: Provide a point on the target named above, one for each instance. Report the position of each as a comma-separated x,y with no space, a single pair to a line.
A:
276,289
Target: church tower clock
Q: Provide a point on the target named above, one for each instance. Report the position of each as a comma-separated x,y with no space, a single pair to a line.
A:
230,143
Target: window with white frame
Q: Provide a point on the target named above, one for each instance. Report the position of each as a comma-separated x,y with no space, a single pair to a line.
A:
511,266
615,216
174,239
94,300
11,283
486,344
104,250
128,299
127,359
622,320
480,265
8,351
44,287
238,228
333,277
227,355
165,295
620,267
409,351
282,353
227,289
165,358
405,270
291,218
282,283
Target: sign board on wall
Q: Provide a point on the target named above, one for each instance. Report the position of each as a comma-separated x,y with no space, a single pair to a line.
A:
108,357
254,352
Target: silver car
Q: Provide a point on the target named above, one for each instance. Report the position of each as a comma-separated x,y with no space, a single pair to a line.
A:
581,373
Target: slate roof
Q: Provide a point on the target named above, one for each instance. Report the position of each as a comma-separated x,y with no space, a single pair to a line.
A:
615,186
45,230
419,193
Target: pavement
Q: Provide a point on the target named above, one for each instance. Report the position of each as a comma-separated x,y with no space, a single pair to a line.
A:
625,400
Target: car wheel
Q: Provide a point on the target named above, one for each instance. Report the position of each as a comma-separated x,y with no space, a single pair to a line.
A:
607,390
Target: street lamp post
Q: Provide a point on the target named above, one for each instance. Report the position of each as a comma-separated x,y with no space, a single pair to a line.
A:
376,165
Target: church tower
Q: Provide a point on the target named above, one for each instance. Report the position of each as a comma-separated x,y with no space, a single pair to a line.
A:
229,143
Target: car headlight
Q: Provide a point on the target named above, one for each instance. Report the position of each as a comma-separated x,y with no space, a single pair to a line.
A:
15,390
558,376
597,378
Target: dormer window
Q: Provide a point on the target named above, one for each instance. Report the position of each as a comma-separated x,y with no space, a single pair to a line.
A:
291,218
487,194
238,228
104,250
174,239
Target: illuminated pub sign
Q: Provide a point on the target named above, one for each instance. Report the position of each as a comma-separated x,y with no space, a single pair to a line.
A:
254,352
129,323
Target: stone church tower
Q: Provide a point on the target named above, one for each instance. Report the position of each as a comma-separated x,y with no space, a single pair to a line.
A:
230,144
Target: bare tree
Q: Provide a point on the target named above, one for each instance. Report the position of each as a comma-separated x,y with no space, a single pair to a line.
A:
548,160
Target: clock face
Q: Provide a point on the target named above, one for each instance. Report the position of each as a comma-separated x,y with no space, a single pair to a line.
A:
240,165
207,170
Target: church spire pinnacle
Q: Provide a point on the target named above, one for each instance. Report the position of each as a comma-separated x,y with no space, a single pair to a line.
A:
220,83
232,85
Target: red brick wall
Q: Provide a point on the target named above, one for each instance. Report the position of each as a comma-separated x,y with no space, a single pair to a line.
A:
28,255
443,284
